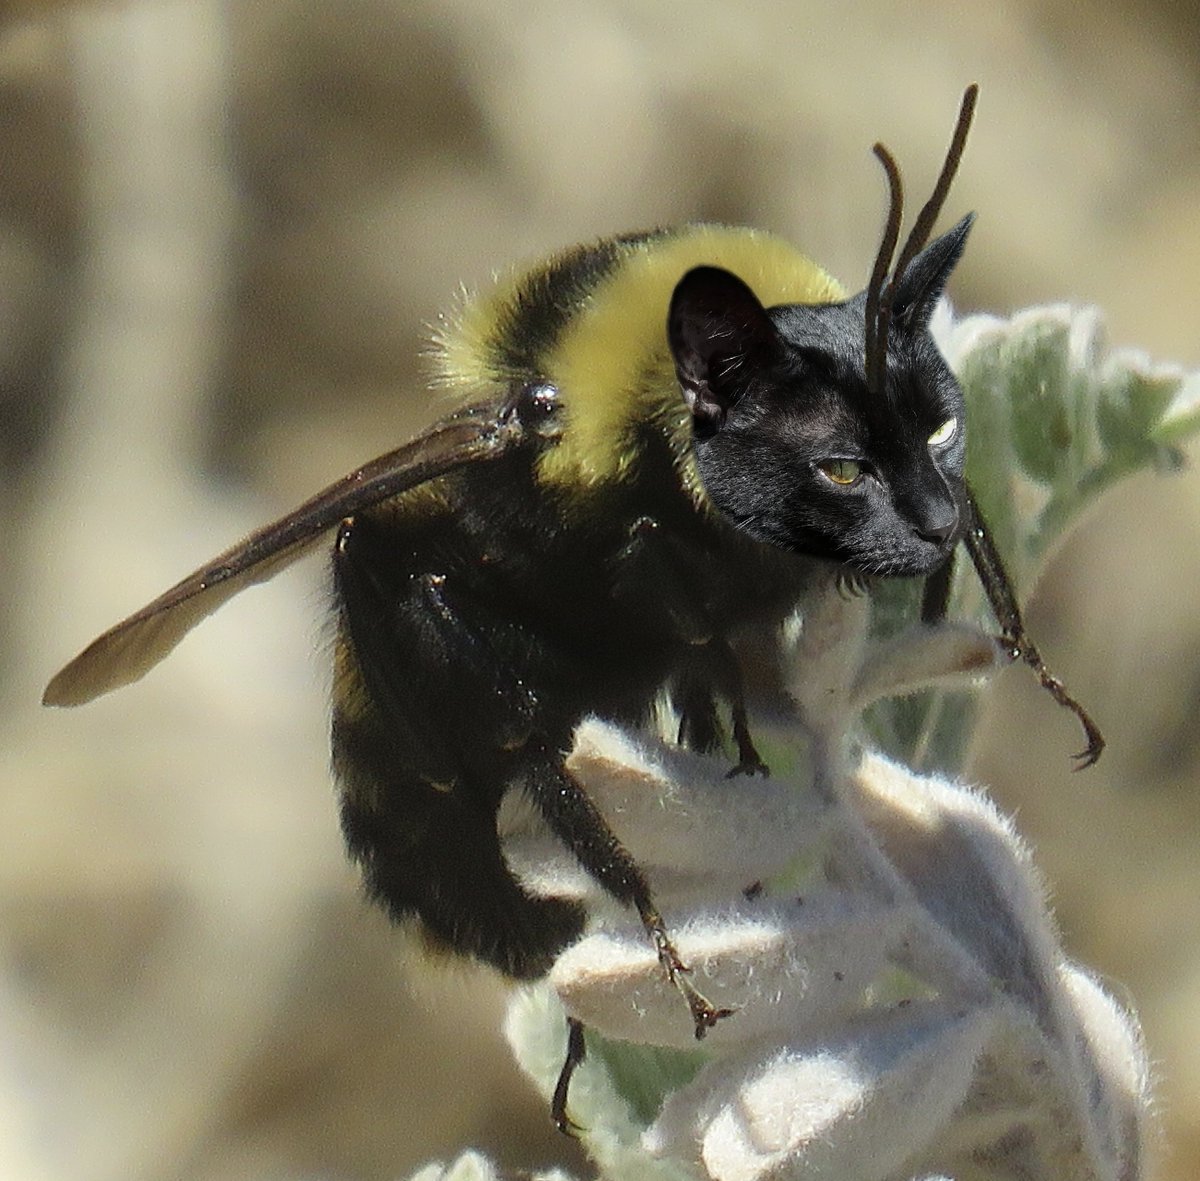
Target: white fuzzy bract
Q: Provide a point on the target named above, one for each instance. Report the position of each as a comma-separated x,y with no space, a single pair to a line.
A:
902,1007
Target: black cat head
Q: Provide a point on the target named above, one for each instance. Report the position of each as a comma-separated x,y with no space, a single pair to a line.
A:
792,445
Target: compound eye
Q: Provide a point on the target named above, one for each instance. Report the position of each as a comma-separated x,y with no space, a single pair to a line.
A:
537,405
945,433
843,472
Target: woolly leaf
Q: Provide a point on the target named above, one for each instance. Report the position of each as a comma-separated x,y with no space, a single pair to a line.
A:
1052,422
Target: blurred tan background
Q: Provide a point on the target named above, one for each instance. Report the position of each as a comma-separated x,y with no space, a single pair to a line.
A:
224,230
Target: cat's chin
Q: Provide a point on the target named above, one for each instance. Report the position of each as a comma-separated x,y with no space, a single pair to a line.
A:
908,564
916,560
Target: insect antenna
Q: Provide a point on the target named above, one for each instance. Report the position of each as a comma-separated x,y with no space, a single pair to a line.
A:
924,224
881,293
876,352
879,296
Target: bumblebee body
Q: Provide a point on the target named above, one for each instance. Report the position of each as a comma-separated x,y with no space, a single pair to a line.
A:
656,437
550,549
481,617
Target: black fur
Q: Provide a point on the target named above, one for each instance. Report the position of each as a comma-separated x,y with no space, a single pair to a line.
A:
482,633
777,392
484,628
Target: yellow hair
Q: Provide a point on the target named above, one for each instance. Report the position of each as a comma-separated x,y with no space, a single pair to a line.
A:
610,360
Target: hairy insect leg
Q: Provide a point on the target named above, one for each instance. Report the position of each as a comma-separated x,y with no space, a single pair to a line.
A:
715,669
998,588
437,857
700,726
576,1053
725,671
935,594
674,567
577,822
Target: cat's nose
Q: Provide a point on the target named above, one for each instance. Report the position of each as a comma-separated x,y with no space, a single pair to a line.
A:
938,532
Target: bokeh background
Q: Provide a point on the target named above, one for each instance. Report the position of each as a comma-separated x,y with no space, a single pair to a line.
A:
224,231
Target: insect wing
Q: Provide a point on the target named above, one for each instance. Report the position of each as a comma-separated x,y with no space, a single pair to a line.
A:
126,652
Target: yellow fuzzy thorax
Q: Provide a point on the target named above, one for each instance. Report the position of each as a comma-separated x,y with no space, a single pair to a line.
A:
611,362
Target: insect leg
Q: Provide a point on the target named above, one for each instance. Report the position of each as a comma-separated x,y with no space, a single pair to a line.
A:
727,673
665,569
436,856
577,822
576,1053
1003,602
700,727
715,668
935,594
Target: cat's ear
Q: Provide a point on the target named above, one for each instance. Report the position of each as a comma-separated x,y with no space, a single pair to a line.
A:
926,276
719,334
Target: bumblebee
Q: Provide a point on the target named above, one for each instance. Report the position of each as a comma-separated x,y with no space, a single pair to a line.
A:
658,437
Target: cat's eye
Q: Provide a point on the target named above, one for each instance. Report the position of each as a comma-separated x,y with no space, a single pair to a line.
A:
842,471
944,433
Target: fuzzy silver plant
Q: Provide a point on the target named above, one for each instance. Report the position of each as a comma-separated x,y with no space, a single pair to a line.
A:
903,1008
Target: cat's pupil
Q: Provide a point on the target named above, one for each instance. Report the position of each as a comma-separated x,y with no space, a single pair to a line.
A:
841,471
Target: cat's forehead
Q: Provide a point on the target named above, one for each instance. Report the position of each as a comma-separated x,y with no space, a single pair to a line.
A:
918,385
835,328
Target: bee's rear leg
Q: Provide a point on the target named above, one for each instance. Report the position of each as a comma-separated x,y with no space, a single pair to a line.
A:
580,826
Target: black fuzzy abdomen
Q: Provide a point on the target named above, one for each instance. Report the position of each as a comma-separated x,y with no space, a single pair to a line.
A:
481,631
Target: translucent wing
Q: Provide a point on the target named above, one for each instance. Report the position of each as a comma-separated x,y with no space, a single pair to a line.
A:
126,652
